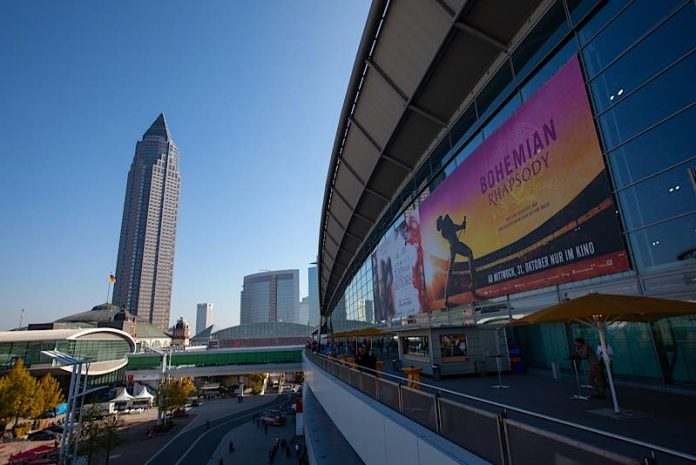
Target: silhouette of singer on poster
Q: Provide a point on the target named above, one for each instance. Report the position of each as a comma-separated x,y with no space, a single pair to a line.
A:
450,232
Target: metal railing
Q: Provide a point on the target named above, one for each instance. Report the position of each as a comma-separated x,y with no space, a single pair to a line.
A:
499,433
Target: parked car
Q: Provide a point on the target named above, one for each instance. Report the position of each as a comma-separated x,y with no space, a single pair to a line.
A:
273,417
55,428
43,435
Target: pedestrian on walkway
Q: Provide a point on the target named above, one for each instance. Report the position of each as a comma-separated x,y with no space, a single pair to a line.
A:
265,427
277,441
258,423
231,447
207,424
222,462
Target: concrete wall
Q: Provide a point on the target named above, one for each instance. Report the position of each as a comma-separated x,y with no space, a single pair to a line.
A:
378,434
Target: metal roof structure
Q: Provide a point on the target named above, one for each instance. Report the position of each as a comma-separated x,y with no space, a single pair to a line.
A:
418,65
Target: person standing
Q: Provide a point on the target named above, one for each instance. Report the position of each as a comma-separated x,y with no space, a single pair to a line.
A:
595,376
231,447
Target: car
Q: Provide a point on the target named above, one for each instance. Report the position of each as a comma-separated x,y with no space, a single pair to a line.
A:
285,389
55,428
43,435
273,417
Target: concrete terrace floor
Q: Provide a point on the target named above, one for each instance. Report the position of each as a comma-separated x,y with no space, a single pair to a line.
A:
665,416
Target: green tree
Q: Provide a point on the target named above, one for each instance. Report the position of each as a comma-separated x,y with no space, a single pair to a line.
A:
18,396
48,395
174,393
4,402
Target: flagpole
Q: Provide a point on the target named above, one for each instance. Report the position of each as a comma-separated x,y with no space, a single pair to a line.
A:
21,319
108,291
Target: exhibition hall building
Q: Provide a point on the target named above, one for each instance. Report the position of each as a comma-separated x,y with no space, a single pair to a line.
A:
494,158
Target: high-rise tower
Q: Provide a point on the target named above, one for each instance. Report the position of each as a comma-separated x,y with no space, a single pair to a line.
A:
145,262
270,296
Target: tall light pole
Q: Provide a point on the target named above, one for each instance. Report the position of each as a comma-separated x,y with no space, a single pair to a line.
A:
163,370
73,395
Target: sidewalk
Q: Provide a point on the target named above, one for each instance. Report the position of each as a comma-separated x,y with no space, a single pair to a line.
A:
252,445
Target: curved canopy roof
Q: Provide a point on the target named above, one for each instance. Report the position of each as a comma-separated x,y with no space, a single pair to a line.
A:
263,330
418,63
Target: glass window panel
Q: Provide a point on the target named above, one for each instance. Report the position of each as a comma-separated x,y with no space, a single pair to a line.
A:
598,20
549,69
622,32
658,198
660,246
663,96
579,8
661,147
496,89
545,35
453,345
415,345
461,128
672,40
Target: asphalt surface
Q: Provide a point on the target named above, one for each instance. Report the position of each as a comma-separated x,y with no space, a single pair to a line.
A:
197,443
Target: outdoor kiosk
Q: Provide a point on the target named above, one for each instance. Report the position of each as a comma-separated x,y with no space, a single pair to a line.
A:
454,350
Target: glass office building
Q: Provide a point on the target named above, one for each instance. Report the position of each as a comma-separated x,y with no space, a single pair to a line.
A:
271,296
635,65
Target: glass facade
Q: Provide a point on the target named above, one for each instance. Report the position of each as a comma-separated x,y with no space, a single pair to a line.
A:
30,351
639,63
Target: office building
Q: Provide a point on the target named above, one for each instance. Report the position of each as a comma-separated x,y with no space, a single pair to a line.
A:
303,311
204,316
270,296
313,297
145,263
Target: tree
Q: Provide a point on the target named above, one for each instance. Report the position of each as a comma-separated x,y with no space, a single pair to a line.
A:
48,395
109,436
18,395
91,431
174,393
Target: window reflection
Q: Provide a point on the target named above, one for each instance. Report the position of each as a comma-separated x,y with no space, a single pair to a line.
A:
663,46
659,148
453,345
664,96
664,196
622,32
662,245
415,345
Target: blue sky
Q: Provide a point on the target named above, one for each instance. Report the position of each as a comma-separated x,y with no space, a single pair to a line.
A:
252,91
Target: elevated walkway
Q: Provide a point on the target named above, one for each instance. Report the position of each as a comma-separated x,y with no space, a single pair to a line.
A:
535,420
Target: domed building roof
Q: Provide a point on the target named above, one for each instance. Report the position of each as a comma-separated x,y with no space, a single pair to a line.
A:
102,313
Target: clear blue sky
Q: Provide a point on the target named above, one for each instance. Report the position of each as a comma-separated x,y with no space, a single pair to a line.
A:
252,91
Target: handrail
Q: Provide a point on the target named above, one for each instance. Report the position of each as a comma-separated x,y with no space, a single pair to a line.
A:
636,442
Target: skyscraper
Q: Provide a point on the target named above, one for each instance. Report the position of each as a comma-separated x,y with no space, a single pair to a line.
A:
145,263
204,316
270,296
313,297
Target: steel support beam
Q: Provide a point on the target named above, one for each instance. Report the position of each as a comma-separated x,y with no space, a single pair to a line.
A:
471,30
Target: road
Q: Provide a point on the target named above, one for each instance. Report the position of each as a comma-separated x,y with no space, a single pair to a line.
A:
196,444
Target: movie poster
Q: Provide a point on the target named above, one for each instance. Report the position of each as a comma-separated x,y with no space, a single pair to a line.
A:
397,273
531,207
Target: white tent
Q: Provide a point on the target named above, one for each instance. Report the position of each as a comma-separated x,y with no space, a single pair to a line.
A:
122,396
144,397
144,394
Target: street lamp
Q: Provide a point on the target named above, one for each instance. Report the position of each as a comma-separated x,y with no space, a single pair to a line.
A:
163,370
73,396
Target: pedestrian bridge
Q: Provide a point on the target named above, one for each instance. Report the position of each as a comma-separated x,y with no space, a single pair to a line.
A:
216,362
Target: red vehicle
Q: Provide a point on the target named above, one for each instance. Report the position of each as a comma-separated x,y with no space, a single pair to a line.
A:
273,417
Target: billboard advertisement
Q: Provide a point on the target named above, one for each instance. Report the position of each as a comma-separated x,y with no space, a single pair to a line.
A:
531,207
397,273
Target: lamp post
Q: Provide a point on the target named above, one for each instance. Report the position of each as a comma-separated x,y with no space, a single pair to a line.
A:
163,370
73,395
